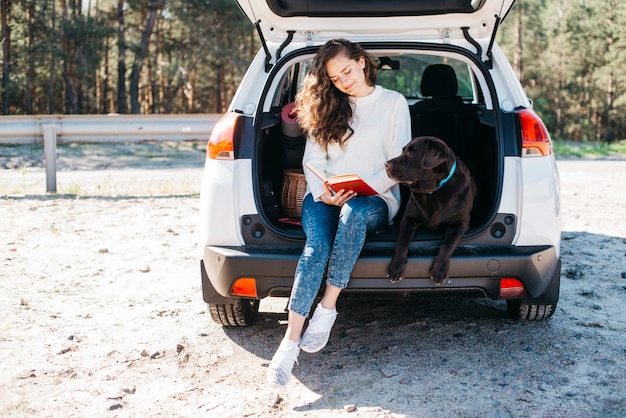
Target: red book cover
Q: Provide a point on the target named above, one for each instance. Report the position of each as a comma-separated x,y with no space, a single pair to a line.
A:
346,182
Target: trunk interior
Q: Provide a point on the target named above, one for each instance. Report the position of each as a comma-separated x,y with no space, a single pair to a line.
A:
439,106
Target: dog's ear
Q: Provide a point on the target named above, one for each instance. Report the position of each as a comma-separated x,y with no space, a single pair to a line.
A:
435,152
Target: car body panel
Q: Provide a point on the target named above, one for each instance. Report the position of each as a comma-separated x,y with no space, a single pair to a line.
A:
511,180
226,192
540,206
511,94
273,268
538,201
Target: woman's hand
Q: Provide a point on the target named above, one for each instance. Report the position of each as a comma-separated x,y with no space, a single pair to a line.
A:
337,199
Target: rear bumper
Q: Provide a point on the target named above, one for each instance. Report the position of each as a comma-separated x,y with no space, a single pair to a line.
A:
474,270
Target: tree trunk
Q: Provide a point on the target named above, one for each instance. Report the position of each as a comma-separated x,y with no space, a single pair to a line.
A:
153,7
52,61
6,56
104,80
219,87
191,84
172,94
69,67
30,69
121,56
82,83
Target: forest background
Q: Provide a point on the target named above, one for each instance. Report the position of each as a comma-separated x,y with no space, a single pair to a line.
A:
188,56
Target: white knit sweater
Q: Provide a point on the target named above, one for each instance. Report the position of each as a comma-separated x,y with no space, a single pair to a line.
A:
382,126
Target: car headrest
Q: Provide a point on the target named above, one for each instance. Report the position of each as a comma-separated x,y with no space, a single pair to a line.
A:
439,80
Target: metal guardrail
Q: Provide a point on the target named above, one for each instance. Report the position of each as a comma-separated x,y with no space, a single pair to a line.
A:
106,128
54,129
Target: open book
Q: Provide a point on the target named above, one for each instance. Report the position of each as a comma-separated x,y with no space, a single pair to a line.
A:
346,182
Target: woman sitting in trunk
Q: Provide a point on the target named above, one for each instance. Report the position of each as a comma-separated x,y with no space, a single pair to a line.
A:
352,126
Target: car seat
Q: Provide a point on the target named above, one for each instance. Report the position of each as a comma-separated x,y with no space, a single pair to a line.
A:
439,86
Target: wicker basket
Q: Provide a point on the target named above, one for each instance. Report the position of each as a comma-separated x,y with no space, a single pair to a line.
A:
292,193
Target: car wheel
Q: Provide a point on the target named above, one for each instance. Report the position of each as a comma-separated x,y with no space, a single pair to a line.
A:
518,310
241,313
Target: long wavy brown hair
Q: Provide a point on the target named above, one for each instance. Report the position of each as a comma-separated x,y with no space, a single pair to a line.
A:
323,111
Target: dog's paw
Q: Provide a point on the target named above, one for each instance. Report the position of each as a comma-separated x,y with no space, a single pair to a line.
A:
394,278
439,273
395,272
438,280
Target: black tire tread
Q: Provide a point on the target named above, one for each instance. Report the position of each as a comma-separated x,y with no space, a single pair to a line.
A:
242,313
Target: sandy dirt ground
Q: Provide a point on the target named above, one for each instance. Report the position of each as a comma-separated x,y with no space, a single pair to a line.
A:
102,312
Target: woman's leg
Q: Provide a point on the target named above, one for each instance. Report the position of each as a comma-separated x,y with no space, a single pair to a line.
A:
358,216
319,222
331,294
295,323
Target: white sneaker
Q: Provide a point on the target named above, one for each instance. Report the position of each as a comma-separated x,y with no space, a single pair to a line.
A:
279,370
317,333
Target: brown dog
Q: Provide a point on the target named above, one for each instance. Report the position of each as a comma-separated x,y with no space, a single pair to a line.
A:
442,196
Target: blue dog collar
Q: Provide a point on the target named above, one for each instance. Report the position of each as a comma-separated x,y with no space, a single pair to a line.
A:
444,181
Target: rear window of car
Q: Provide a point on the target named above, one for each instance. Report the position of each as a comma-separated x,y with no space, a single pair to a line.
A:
403,73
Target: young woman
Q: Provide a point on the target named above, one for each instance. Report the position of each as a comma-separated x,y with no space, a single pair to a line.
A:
352,126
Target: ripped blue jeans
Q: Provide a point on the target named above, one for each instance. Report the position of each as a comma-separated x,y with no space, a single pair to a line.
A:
334,237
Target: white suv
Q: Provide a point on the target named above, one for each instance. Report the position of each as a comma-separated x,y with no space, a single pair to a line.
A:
459,86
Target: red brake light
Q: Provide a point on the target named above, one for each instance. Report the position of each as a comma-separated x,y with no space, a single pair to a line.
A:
221,143
246,286
535,136
511,288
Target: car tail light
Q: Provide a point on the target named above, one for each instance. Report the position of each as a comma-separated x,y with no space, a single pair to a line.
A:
246,287
511,288
221,145
535,136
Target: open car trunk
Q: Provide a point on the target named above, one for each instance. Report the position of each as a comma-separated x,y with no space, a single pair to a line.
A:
446,99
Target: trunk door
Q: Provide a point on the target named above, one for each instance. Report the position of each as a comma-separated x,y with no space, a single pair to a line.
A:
358,20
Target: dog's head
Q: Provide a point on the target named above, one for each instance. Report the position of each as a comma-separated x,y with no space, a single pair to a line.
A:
424,162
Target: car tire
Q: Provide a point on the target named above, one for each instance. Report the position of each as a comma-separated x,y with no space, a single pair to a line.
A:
241,313
518,310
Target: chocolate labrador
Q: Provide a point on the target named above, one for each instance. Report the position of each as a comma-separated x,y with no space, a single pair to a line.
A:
441,197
